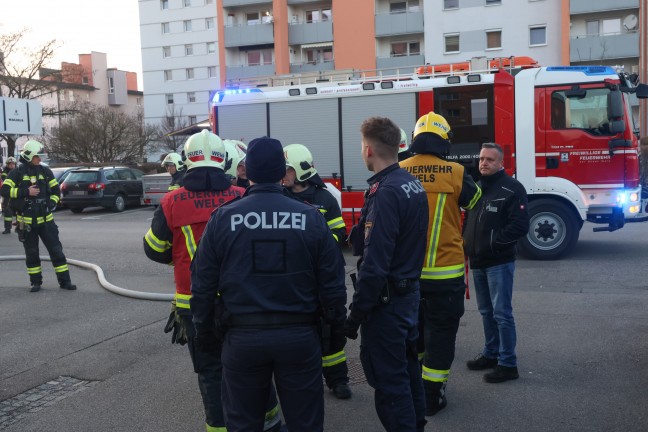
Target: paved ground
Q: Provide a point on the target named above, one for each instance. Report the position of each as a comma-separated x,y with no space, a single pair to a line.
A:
93,360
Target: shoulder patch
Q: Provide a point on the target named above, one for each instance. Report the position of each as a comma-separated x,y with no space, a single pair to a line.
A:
372,190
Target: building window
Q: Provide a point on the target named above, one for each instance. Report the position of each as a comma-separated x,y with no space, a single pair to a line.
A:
404,6
168,75
192,120
84,80
493,2
164,4
451,43
252,18
187,25
189,50
191,97
494,39
111,85
259,57
402,49
319,15
166,28
211,71
166,51
537,36
169,98
71,96
209,1
209,23
186,3
322,55
450,4
611,26
189,72
211,47
593,28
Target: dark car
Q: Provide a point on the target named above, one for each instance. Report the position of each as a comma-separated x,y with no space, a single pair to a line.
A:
60,173
110,187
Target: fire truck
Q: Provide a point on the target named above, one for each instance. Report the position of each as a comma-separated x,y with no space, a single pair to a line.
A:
567,132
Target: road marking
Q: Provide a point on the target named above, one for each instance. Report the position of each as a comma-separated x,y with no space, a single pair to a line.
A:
112,214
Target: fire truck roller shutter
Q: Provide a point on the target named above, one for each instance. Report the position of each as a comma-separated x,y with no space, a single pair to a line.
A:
399,107
242,122
313,123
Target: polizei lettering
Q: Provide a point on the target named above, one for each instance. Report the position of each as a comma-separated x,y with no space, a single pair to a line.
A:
414,187
274,220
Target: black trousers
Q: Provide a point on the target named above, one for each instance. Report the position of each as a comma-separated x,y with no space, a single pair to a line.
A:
8,216
49,234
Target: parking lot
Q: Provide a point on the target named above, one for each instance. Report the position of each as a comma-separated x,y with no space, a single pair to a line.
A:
93,360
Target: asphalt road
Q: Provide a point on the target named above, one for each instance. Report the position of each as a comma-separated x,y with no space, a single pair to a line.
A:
582,344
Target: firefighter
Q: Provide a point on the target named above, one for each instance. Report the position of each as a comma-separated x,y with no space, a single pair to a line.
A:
403,147
176,228
6,209
265,266
33,191
175,166
241,176
390,239
449,187
306,185
232,160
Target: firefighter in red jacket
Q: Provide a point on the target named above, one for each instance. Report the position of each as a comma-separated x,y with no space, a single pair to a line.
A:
176,228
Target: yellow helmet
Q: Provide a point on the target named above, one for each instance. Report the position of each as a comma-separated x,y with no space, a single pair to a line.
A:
175,159
403,145
205,149
232,158
433,123
31,149
299,158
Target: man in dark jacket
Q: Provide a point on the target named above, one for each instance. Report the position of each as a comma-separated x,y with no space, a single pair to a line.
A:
492,229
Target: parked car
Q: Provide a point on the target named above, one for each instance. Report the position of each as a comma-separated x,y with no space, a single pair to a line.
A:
110,187
60,173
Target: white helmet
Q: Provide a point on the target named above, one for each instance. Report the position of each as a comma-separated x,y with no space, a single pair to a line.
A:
11,159
232,158
175,159
299,158
205,149
403,145
241,148
31,149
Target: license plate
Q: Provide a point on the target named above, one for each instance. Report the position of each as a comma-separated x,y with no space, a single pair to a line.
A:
78,192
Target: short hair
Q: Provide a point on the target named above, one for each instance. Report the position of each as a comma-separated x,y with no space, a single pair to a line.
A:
384,133
491,145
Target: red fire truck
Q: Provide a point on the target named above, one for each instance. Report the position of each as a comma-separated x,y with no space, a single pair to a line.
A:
568,135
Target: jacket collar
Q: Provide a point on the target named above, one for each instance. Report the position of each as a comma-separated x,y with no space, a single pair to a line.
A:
380,175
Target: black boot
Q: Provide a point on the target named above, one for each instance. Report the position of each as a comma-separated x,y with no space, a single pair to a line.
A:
35,287
67,285
435,399
342,391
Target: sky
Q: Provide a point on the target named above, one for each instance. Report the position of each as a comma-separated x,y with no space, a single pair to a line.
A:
80,26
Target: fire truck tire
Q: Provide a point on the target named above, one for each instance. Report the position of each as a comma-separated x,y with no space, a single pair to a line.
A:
553,230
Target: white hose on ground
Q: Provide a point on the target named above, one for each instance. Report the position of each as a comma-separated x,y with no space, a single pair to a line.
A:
102,280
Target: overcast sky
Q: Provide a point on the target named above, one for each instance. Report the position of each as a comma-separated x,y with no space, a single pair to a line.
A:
80,26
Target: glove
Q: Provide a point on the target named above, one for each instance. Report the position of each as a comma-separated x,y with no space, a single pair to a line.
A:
176,323
207,342
351,326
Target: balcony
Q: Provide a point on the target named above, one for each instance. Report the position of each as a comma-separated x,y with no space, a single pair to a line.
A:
245,35
311,67
400,64
399,23
305,33
298,2
235,3
603,47
236,72
587,6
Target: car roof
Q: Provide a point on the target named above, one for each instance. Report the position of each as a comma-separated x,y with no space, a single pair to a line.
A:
95,169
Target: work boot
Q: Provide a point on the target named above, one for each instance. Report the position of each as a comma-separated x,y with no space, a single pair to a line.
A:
7,231
481,362
435,399
501,374
35,287
342,391
67,285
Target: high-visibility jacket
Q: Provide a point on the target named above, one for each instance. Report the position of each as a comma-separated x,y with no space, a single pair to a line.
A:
448,187
178,224
16,187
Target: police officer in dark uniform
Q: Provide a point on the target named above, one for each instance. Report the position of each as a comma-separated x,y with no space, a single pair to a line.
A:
390,238
33,191
265,266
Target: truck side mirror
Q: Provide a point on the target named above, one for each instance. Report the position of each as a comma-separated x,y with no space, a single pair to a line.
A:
615,107
575,93
617,126
642,91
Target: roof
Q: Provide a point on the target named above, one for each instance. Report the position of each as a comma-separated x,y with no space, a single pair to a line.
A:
191,129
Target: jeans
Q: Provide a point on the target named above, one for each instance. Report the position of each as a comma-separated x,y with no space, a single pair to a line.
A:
494,289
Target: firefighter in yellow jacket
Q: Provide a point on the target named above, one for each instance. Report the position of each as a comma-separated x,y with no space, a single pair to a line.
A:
449,188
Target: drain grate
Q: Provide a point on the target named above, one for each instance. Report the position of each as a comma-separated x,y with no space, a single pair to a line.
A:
356,374
33,400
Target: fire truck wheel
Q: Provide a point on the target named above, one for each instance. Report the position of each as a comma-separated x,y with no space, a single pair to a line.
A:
553,230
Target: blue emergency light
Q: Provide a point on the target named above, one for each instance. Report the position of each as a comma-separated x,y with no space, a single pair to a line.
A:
587,70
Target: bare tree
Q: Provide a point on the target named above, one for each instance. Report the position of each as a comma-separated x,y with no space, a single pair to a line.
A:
20,67
172,122
100,134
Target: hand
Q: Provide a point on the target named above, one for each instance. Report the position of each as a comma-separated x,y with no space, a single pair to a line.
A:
351,326
34,190
208,342
175,323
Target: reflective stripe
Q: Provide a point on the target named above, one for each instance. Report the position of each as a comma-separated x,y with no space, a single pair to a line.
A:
182,300
420,356
323,211
55,198
435,375
475,199
61,268
333,359
10,183
27,220
435,233
8,218
40,220
173,187
215,428
13,192
337,239
189,240
19,218
49,217
447,272
52,183
26,178
155,243
336,223
33,270
271,418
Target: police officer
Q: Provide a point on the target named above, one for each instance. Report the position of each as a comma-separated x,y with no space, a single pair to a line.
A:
175,166
390,238
271,263
33,190
6,209
306,185
449,188
176,228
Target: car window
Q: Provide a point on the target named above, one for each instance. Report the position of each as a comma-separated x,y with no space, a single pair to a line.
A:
137,173
110,174
82,177
125,175
64,176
